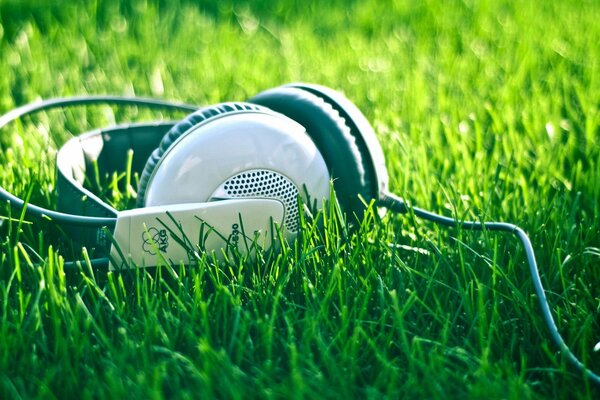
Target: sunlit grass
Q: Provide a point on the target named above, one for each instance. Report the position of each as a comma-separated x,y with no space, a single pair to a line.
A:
485,110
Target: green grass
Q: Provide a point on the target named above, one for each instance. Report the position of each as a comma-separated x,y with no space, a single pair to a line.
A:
486,110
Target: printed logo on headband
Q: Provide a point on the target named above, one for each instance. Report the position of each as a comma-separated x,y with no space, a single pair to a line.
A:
155,239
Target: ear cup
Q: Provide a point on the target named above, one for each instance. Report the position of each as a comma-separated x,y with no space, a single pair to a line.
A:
361,129
177,131
336,136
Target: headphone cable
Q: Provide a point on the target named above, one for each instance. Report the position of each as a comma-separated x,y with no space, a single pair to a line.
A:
397,204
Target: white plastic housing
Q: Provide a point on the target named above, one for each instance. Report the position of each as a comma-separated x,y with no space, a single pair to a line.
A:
145,236
201,160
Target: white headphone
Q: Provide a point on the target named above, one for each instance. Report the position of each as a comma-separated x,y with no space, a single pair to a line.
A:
228,177
221,169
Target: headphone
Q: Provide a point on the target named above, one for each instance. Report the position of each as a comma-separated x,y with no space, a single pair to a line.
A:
229,176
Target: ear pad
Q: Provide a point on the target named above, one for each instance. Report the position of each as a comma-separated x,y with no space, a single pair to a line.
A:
361,129
338,138
179,129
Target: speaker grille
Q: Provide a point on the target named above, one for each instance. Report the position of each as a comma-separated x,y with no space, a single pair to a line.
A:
266,184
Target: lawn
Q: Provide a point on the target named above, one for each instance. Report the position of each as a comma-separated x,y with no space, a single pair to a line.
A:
485,110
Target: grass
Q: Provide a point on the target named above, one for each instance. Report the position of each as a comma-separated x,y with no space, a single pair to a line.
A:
485,110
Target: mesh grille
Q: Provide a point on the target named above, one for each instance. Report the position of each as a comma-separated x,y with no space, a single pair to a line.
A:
266,184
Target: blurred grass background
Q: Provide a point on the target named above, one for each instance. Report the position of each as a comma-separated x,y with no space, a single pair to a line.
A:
486,110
